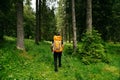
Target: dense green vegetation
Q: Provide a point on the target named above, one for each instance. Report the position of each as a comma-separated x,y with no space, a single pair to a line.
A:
92,28
105,16
36,63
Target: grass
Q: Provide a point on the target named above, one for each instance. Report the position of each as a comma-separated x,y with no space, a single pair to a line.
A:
36,63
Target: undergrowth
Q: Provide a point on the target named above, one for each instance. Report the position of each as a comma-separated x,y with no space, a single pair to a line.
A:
36,63
92,49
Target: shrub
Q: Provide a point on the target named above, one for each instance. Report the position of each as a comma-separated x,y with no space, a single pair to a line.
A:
92,49
68,49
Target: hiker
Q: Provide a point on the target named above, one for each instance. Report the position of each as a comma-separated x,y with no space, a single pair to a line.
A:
57,48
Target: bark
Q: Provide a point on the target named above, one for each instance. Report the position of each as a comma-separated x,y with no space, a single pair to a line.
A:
69,33
1,30
89,16
39,14
37,23
20,29
74,26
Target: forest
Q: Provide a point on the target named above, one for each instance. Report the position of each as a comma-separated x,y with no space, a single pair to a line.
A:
90,31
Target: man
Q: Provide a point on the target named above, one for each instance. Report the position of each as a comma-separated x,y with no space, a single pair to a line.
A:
57,48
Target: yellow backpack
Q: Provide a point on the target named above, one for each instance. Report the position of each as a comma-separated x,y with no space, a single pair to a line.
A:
57,45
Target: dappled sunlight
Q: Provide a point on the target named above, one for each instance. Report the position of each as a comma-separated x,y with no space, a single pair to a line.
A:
112,69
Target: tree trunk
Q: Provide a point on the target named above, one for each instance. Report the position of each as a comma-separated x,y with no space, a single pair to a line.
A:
37,23
1,30
66,30
69,32
89,16
20,29
39,14
74,26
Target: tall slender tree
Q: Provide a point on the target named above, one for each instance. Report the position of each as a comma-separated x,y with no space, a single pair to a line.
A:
5,7
1,26
89,16
37,30
48,21
68,19
29,20
74,26
61,25
20,29
39,14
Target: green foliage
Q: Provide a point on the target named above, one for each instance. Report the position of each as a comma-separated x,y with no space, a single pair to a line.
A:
106,18
29,21
68,49
61,15
37,63
5,18
92,49
48,22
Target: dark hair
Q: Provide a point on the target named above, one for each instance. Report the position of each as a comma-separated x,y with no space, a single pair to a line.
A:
58,33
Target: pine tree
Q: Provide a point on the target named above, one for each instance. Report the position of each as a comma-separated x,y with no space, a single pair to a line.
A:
20,29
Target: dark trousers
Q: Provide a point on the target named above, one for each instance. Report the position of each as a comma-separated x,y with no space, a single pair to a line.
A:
57,58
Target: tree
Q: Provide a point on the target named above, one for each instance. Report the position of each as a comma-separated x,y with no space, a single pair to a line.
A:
29,20
4,13
39,18
68,17
103,17
1,26
89,16
61,25
114,30
20,29
48,21
74,26
37,30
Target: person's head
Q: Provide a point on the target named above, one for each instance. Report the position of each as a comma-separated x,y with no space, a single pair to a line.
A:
58,33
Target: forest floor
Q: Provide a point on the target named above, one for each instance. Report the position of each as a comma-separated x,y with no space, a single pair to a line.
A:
36,63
